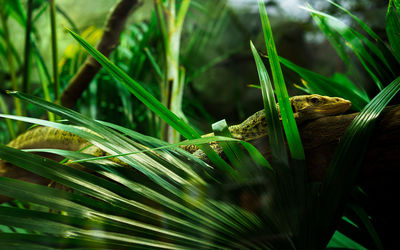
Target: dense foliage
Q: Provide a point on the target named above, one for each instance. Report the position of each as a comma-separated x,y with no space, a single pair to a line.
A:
165,197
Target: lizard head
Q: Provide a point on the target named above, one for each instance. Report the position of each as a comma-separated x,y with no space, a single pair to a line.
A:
315,106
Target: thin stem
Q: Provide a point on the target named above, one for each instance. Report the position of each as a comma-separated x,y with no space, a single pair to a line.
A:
27,54
164,93
175,22
54,50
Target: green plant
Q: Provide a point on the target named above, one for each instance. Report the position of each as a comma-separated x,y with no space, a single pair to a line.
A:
379,60
191,204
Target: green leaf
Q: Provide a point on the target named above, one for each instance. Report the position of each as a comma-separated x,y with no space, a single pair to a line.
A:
17,11
151,102
236,154
289,123
387,57
393,29
113,144
368,225
341,241
274,128
353,42
339,85
343,169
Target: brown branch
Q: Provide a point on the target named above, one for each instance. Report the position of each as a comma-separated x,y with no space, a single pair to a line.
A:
109,41
320,138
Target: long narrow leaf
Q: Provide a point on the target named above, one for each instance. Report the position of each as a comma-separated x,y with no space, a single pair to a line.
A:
289,123
274,128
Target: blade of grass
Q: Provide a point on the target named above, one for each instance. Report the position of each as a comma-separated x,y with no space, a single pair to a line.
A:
17,11
289,123
14,51
108,224
274,128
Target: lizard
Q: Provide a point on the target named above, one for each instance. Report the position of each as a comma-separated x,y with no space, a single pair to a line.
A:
305,107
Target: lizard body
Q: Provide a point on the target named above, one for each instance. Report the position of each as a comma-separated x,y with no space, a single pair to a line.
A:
305,107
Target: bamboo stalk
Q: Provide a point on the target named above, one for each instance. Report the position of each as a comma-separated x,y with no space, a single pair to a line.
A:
172,86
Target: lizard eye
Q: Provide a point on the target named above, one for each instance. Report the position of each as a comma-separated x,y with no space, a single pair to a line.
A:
314,100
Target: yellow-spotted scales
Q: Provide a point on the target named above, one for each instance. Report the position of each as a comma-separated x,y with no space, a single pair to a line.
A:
305,107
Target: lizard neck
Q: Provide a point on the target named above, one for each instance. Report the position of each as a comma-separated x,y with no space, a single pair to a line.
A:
252,128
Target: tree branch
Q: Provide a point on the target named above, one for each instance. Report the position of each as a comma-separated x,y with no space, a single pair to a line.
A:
108,42
320,138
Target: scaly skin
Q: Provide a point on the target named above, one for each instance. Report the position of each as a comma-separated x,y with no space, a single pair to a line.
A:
305,107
